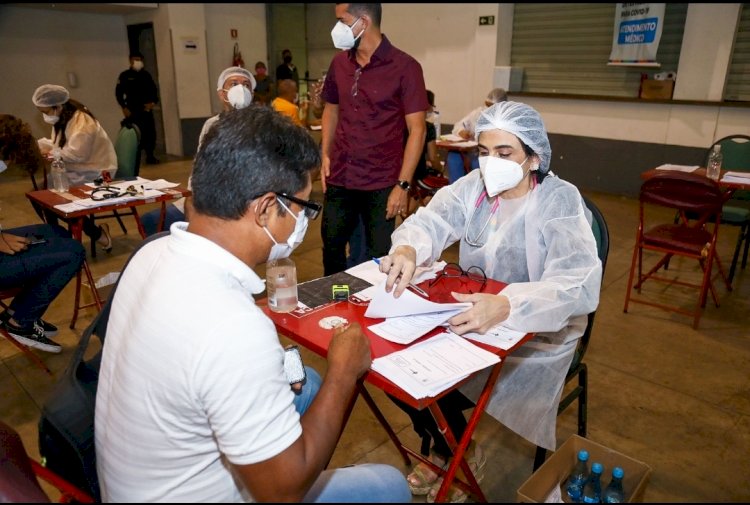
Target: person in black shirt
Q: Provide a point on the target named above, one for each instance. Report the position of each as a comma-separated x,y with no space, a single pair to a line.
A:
287,70
136,93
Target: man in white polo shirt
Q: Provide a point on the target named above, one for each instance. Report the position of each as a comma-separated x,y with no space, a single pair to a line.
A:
193,403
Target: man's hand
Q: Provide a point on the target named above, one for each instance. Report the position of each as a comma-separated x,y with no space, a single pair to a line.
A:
398,202
325,171
487,311
148,106
126,112
349,351
11,244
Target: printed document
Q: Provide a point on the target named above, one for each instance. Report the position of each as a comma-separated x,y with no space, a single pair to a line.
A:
430,367
678,168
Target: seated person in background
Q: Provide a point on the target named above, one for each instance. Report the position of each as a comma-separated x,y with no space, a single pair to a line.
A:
42,269
221,422
465,129
429,163
263,91
81,143
525,226
234,89
286,102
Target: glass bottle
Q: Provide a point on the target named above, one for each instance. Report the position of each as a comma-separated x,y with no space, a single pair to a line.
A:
577,478
58,175
713,170
614,492
592,491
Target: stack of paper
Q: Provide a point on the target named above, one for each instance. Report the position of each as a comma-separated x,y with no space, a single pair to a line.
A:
429,368
678,168
409,316
737,177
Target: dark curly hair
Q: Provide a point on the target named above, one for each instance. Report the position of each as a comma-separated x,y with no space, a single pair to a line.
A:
17,144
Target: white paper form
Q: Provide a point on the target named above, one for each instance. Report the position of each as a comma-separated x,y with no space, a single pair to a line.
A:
737,177
406,329
429,368
678,168
498,336
370,271
384,304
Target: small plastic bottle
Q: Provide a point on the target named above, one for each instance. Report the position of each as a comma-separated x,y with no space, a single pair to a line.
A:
713,170
614,492
592,491
58,175
436,122
578,477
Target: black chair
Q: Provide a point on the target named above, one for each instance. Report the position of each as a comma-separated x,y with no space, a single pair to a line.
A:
578,367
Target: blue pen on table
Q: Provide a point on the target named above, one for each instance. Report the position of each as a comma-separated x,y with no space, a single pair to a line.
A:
411,285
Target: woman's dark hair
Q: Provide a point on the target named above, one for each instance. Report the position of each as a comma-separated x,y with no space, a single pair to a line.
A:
530,152
18,145
248,153
68,109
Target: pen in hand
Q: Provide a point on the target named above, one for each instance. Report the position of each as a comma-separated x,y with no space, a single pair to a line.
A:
411,285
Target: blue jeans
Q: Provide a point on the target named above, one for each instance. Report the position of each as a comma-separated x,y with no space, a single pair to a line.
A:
454,163
43,270
342,210
150,220
352,484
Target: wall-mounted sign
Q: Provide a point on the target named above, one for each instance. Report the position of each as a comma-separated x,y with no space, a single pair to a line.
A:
190,44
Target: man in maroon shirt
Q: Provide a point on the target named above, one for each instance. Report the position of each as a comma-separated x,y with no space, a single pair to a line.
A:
373,92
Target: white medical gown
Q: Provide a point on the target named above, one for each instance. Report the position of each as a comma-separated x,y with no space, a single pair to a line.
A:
543,247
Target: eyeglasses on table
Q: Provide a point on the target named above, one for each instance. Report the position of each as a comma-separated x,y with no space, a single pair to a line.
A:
454,270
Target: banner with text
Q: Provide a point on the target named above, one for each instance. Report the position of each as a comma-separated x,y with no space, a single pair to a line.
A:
637,34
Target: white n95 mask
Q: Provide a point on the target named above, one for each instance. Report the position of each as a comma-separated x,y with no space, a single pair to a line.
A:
137,65
50,119
343,35
239,96
499,174
284,250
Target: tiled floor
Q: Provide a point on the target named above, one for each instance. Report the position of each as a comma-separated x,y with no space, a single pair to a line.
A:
661,392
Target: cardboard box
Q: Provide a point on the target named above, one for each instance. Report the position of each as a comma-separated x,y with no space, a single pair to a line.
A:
652,89
559,464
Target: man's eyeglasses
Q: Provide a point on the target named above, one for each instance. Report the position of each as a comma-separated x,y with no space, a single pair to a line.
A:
473,273
312,209
355,86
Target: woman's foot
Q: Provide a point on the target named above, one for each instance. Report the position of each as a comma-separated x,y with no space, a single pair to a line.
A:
105,239
477,460
423,477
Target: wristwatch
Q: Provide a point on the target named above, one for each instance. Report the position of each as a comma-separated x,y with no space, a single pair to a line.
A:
404,185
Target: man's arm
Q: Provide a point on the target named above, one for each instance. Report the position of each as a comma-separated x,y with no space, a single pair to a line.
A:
328,124
399,197
289,475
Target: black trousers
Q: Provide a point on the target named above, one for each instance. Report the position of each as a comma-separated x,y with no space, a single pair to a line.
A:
145,122
342,209
452,405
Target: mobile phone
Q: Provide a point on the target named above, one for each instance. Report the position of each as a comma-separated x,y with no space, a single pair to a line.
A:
295,370
36,240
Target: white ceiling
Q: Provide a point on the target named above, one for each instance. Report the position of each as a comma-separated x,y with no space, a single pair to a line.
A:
95,8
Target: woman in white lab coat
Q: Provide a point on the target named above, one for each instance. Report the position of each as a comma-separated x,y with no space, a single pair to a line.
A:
524,226
80,141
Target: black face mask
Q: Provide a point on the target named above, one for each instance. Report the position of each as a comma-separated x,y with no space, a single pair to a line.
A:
287,59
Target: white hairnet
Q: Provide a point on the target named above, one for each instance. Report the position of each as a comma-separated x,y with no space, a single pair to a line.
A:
497,95
50,95
232,71
524,122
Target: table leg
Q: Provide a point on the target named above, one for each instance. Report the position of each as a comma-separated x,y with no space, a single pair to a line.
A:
76,230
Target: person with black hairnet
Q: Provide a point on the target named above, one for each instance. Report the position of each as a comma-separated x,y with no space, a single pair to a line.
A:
464,128
81,143
523,225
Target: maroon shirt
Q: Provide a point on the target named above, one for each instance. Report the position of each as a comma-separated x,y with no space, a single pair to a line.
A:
368,145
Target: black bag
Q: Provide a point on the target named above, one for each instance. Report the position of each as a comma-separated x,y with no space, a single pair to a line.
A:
66,427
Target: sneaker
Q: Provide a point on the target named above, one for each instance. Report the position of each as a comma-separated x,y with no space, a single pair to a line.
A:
33,337
50,330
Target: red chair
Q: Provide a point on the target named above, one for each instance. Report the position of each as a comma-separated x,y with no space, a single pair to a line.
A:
686,193
6,294
19,473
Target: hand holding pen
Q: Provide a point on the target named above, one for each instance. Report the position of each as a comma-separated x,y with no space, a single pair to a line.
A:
400,267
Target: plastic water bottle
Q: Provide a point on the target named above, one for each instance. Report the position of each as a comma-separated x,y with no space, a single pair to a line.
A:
281,284
436,122
713,170
578,477
614,492
58,175
592,491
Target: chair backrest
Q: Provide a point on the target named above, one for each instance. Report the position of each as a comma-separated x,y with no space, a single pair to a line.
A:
682,191
601,234
18,483
127,148
735,150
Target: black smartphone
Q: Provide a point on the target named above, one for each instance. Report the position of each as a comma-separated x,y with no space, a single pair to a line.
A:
295,370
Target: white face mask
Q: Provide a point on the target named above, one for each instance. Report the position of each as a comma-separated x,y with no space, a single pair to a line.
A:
343,36
239,96
137,65
3,166
499,174
50,119
284,250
